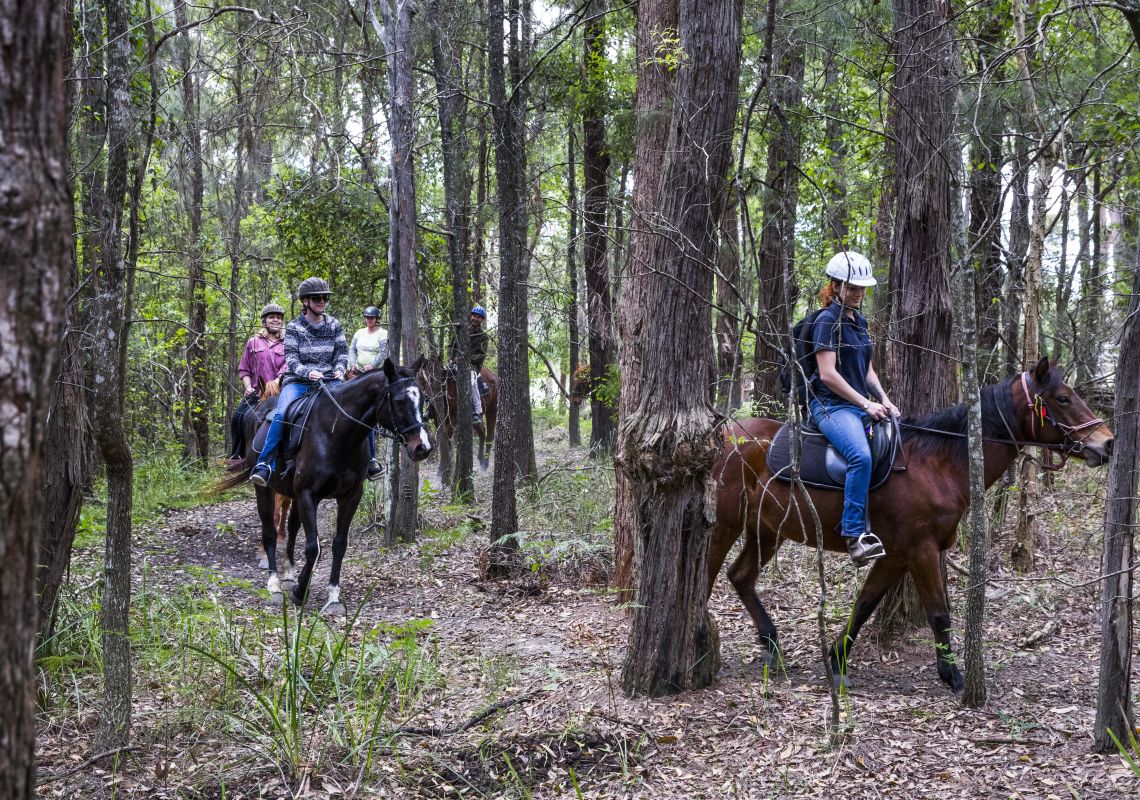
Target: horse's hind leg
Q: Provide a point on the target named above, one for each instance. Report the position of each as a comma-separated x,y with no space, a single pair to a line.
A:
280,517
927,571
292,526
742,575
305,506
346,510
883,575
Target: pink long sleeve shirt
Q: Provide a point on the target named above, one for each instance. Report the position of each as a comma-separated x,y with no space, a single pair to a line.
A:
263,359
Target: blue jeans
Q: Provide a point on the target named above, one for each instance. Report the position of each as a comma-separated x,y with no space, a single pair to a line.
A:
289,393
842,424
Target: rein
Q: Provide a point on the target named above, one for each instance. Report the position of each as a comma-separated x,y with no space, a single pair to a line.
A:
1037,409
387,433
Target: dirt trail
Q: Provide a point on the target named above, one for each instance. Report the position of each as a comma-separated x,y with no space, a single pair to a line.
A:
559,646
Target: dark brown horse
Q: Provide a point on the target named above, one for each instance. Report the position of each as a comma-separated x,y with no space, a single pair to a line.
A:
441,397
915,513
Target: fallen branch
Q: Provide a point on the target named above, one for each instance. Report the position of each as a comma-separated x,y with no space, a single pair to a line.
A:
1051,627
435,730
52,778
1013,741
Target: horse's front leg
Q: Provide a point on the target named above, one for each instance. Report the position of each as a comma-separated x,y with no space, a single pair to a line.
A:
268,560
345,511
883,575
305,506
927,572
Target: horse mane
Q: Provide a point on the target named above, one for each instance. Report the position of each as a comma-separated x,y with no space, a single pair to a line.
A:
997,410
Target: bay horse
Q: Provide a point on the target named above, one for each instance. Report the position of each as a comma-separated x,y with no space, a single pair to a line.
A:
331,462
441,397
915,513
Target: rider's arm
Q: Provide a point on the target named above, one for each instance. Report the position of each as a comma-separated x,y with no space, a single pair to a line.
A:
340,354
825,360
352,353
877,389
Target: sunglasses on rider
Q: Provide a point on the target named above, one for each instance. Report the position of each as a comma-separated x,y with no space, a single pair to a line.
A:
319,298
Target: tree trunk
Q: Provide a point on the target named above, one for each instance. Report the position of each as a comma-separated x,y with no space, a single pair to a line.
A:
1025,535
669,443
777,237
403,519
575,425
1114,696
1018,248
1093,276
595,203
193,191
457,190
835,220
237,215
921,373
656,27
986,198
729,356
514,438
37,251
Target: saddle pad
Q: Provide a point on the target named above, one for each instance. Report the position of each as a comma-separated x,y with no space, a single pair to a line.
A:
296,417
821,465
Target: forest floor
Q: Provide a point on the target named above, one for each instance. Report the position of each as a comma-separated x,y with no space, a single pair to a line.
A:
544,655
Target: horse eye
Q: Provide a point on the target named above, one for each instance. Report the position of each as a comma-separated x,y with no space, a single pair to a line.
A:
1063,399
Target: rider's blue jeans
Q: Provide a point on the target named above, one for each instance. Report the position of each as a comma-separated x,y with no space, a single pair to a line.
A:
289,393
842,424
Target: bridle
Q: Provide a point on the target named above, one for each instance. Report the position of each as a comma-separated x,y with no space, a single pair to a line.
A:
1039,414
390,393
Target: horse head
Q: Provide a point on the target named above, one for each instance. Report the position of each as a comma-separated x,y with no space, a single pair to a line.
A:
400,410
1058,416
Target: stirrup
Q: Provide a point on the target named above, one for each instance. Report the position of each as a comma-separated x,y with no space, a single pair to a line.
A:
865,548
375,470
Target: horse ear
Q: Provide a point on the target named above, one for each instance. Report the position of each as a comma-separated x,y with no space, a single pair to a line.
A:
390,370
1041,372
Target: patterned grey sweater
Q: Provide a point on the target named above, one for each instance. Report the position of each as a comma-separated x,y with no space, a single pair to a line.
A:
307,347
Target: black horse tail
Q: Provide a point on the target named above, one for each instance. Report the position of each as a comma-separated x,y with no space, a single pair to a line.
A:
233,481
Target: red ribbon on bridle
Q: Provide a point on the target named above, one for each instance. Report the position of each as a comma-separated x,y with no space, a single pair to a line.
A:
1069,444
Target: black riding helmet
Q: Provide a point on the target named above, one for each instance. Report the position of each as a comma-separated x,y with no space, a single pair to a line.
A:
312,286
371,311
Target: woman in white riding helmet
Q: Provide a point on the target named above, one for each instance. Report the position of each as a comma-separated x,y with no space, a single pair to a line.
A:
847,390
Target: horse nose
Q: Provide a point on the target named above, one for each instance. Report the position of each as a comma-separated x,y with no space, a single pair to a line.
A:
1108,445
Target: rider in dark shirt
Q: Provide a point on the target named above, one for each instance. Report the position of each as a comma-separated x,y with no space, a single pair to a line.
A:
843,389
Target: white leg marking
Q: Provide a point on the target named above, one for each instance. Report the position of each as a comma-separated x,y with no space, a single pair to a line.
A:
290,575
274,585
334,598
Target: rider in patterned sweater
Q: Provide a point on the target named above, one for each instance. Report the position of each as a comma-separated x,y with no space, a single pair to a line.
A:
315,350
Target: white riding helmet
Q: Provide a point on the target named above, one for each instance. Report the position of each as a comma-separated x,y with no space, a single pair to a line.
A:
851,267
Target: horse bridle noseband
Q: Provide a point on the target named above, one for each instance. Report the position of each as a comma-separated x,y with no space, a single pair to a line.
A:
1039,409
389,395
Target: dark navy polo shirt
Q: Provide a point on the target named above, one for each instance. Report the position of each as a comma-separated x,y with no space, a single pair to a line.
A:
850,341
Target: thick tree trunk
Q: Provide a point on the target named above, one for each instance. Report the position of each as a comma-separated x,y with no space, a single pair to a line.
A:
193,191
1114,696
656,27
37,251
669,442
514,439
595,203
574,424
921,373
778,236
1018,249
457,190
403,518
240,204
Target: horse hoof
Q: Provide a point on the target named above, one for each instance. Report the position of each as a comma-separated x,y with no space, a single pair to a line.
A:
297,597
334,609
843,682
263,562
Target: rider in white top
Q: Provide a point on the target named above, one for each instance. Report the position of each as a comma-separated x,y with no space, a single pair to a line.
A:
369,346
